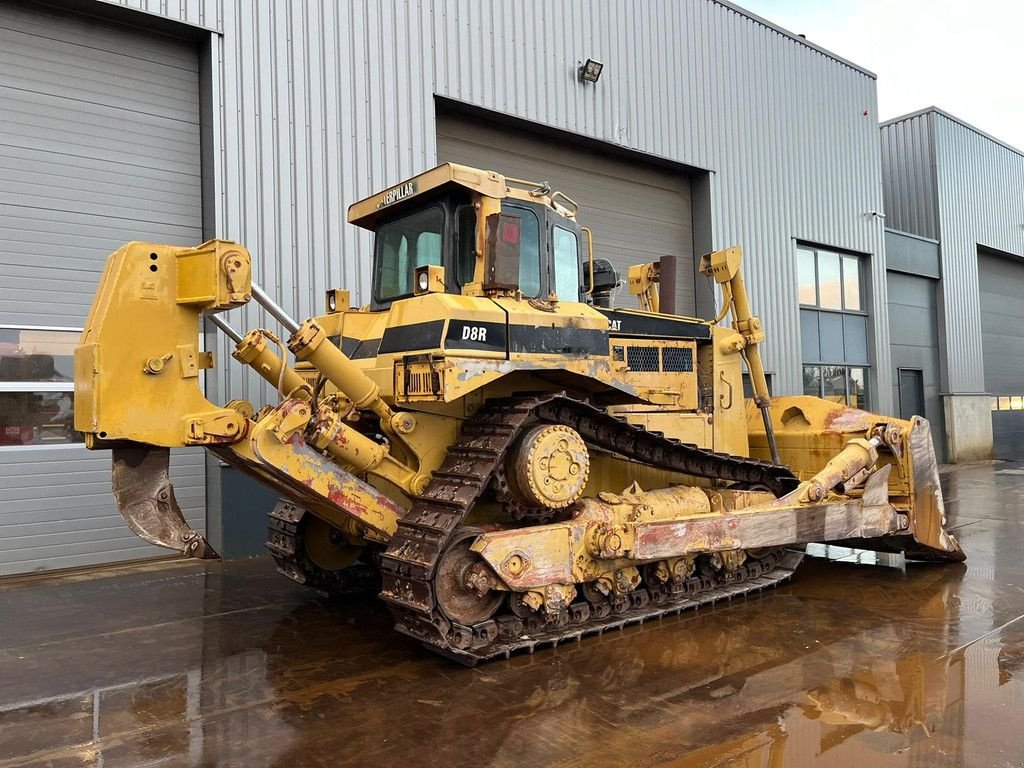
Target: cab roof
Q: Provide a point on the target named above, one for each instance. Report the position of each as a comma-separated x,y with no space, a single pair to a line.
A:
368,211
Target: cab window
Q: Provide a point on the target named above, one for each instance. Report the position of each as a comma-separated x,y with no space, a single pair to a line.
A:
405,244
529,249
567,264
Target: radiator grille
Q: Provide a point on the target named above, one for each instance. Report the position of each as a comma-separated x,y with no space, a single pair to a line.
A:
677,360
642,359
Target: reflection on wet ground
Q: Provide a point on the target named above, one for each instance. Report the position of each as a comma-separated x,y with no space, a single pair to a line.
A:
209,664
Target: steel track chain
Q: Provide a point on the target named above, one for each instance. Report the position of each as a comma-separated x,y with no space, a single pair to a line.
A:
409,563
285,527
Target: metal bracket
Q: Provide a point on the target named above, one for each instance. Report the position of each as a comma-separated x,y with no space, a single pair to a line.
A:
216,427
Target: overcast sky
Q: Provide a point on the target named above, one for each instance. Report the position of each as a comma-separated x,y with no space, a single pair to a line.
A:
963,56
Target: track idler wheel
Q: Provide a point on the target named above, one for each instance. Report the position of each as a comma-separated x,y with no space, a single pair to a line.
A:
459,590
327,547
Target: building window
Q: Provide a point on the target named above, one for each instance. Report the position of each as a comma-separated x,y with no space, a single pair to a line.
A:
833,325
838,383
37,386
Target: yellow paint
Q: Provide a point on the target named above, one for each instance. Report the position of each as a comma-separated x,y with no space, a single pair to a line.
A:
380,421
147,306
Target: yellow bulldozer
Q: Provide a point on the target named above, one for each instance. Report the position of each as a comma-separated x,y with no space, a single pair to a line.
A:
512,459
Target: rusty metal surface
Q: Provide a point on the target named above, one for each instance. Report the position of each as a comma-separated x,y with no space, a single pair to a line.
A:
409,565
929,517
145,497
849,665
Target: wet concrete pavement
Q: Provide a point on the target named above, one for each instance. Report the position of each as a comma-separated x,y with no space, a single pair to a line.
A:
211,664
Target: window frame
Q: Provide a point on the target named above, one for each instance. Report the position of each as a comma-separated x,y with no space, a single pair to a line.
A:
861,260
518,207
458,281
29,387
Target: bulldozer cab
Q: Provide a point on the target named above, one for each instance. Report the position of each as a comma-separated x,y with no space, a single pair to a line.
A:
462,231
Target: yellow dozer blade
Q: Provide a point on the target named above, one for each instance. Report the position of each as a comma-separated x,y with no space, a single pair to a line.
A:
810,432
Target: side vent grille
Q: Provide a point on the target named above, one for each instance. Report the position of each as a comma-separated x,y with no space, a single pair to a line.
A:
677,360
642,359
418,381
420,384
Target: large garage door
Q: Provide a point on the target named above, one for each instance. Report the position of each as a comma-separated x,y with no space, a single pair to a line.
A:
99,144
637,211
1001,285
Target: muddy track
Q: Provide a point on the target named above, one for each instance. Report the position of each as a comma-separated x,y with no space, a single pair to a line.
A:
285,528
409,564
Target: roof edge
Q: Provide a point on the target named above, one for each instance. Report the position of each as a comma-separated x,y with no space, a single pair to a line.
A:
953,118
794,37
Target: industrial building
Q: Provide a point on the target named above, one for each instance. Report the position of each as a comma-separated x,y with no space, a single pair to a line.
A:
261,123
954,198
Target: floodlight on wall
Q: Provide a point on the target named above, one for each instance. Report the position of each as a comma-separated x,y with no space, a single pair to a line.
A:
590,71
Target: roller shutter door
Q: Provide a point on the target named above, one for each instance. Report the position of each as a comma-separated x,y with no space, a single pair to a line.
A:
99,144
638,212
1001,287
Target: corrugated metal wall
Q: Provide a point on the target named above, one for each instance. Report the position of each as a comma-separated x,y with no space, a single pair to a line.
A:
981,202
99,144
208,14
321,103
946,180
908,178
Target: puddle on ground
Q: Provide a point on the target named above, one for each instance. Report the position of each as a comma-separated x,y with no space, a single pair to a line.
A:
229,664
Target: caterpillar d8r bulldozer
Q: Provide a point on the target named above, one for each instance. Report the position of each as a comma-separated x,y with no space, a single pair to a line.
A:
517,461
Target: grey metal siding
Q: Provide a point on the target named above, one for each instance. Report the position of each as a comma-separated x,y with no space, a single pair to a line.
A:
981,202
912,254
208,14
913,320
637,212
320,104
99,144
949,181
908,177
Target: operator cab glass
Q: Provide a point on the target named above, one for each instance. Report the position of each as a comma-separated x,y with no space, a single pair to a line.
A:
442,231
529,246
566,250
403,245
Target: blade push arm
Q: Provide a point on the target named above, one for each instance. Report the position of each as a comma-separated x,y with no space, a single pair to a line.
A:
724,267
